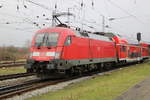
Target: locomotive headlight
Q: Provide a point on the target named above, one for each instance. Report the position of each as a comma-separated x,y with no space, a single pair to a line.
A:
50,54
57,55
53,54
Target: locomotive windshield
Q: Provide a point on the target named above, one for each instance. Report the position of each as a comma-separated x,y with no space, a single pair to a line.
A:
46,39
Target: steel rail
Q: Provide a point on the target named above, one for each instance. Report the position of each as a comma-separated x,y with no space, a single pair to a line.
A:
18,75
12,62
12,65
8,91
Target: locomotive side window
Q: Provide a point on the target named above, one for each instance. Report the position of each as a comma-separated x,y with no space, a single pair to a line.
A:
68,40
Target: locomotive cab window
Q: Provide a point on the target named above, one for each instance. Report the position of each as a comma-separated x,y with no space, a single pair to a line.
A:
39,39
68,40
46,39
52,39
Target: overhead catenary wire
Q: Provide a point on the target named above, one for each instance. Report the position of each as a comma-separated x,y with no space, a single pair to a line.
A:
125,11
29,20
82,3
81,12
25,19
38,4
43,6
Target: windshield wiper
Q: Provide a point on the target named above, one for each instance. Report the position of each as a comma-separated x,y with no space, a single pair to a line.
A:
47,42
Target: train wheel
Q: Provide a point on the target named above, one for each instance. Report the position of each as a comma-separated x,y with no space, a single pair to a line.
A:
79,72
29,70
99,67
107,66
70,72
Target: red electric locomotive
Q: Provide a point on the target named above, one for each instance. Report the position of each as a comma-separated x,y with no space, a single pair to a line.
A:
62,50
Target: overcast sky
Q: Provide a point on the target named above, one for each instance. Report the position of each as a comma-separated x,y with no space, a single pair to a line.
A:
17,17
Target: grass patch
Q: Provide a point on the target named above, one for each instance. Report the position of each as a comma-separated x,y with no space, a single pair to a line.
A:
12,70
105,87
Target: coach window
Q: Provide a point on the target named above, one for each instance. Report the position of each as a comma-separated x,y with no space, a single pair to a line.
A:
143,50
68,40
123,48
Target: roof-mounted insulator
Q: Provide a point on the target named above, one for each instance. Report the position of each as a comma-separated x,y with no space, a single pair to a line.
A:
34,22
25,6
17,7
82,4
78,29
55,6
43,14
47,19
37,16
92,4
7,23
1,5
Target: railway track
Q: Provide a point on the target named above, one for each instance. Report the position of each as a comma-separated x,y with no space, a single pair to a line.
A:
8,91
12,64
12,76
18,89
